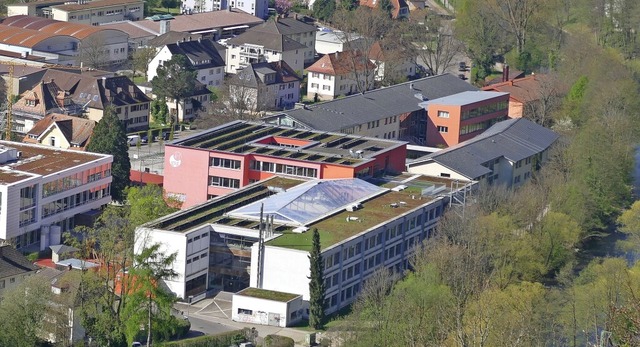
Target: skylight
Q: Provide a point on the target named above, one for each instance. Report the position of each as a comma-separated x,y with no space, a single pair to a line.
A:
309,202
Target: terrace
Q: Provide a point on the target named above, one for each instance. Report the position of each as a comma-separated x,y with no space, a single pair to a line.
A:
251,138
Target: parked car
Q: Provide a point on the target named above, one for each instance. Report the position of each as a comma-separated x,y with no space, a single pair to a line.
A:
462,76
133,140
144,139
462,66
164,136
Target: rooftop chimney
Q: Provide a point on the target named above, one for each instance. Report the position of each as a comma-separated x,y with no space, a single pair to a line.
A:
165,27
505,73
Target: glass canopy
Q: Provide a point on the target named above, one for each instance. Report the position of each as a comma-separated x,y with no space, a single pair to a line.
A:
308,202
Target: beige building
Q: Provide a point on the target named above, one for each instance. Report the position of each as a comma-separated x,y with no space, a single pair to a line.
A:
82,11
61,131
14,268
338,74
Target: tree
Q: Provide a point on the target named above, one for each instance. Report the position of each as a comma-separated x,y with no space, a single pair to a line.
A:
149,304
435,43
283,6
316,284
109,137
159,110
517,18
324,9
92,51
141,59
23,309
175,80
169,4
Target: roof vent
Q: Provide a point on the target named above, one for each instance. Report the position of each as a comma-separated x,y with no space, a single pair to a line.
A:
419,96
354,207
300,230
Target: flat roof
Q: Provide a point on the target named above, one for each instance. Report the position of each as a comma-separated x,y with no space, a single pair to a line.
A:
465,98
38,160
243,137
94,4
267,294
199,22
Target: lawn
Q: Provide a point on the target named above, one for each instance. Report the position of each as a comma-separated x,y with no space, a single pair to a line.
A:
164,10
268,294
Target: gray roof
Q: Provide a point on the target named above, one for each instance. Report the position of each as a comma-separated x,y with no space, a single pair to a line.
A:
465,98
172,37
256,72
285,26
271,41
513,139
62,249
198,51
13,263
377,104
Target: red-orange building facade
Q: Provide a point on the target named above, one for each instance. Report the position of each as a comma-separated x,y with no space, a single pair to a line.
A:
459,117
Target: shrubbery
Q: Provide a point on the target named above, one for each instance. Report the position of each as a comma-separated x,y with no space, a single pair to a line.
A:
220,340
278,341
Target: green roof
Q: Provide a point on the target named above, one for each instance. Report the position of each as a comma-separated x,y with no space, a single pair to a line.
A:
268,294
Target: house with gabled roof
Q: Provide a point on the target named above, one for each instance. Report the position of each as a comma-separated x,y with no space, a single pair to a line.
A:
295,29
264,43
508,153
14,268
400,8
95,94
43,99
266,86
202,54
61,131
339,74
527,95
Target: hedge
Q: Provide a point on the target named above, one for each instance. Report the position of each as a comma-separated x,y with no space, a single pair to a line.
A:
278,341
219,340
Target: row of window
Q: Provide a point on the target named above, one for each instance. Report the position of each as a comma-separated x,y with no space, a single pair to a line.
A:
527,161
198,237
225,182
324,86
284,169
28,197
390,135
136,120
72,201
287,86
140,107
486,109
225,163
197,257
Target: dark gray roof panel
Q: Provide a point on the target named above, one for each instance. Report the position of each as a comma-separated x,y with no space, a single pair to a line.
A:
377,104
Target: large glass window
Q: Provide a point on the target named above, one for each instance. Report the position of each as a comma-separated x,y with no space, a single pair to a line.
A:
27,197
225,163
224,182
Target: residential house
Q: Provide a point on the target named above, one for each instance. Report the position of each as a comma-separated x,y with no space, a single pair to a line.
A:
392,63
528,96
400,8
335,41
224,159
266,86
364,228
258,8
62,320
175,36
96,94
507,154
459,117
43,189
24,77
508,74
63,42
295,29
14,268
339,74
214,25
201,54
389,113
61,131
265,43
83,12
189,106
38,102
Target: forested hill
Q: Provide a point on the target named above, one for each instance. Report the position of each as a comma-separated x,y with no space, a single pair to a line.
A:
507,272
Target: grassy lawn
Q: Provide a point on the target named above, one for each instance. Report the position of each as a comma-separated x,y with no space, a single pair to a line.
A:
163,10
139,79
268,294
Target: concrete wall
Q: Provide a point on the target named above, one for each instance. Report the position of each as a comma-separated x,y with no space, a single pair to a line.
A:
186,165
434,169
262,310
284,270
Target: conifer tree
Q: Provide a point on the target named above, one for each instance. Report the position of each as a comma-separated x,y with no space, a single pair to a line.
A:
109,137
316,284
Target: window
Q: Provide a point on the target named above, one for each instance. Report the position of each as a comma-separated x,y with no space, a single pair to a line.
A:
53,141
315,74
326,87
443,114
516,179
12,280
518,164
225,163
244,311
314,85
527,175
442,174
224,182
443,129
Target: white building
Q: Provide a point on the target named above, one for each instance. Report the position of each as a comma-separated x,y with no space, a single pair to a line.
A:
263,43
266,86
201,54
14,268
362,226
328,42
339,74
392,64
42,190
83,12
508,153
275,308
258,8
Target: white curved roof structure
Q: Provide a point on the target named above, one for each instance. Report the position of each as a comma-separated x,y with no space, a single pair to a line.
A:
309,202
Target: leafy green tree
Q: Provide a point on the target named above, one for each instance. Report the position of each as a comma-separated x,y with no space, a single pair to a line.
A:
630,224
159,111
316,284
175,80
23,308
323,9
109,137
386,7
149,304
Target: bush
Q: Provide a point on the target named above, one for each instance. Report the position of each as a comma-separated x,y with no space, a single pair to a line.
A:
220,340
278,341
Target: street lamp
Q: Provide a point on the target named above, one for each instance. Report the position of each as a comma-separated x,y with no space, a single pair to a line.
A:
190,298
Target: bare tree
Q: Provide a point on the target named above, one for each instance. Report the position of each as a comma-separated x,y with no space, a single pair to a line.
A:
545,99
517,17
141,59
93,52
361,29
434,43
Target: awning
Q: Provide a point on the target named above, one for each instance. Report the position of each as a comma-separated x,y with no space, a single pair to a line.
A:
205,31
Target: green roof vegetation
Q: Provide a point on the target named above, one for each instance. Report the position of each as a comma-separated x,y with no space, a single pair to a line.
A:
268,294
336,228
